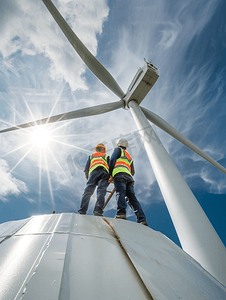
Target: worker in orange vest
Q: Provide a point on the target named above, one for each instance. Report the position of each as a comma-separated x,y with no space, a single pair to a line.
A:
97,174
121,171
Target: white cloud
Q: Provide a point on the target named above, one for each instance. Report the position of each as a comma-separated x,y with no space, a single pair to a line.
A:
28,27
166,34
156,31
9,184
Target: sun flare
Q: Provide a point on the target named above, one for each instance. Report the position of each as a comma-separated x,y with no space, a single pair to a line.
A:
41,137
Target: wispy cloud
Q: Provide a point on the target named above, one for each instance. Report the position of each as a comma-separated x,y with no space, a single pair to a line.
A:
39,64
187,90
9,184
28,27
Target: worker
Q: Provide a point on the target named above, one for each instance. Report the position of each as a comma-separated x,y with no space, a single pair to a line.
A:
97,174
121,170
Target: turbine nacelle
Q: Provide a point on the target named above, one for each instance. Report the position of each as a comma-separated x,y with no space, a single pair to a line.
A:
141,84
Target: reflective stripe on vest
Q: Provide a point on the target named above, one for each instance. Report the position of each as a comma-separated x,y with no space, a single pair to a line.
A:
123,163
98,159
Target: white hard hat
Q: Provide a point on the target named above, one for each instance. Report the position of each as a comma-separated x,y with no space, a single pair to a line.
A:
122,142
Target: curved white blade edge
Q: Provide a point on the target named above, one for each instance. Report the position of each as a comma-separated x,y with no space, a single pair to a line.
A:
92,63
80,113
158,121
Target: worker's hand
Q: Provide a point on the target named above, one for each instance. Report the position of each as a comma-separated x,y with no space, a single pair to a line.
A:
111,180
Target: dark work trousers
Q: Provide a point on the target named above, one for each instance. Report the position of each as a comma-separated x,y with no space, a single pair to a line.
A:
98,177
124,186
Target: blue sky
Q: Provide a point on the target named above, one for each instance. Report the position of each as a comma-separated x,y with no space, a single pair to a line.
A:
41,75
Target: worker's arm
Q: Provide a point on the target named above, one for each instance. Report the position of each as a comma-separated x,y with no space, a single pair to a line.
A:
132,169
87,168
108,160
115,155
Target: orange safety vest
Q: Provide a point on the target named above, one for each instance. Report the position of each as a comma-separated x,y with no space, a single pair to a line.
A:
98,159
123,163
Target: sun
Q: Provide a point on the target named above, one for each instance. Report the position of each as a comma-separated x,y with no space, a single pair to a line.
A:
41,137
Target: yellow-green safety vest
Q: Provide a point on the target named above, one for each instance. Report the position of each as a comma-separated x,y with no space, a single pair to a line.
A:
123,163
98,159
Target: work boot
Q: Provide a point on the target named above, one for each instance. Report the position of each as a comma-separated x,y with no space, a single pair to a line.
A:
144,223
96,213
120,217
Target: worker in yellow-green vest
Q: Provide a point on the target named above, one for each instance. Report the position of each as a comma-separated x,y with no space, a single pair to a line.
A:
121,170
97,174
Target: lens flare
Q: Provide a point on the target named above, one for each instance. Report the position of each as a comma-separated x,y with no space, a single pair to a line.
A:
41,137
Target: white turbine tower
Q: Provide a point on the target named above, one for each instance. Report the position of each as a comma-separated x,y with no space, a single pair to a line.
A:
196,234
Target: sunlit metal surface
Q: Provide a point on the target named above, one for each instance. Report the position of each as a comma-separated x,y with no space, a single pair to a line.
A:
10,228
69,256
195,231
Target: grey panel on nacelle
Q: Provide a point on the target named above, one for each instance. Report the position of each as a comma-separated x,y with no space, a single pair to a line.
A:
69,256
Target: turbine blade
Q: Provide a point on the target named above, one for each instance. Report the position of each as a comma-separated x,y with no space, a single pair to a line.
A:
92,63
158,121
80,113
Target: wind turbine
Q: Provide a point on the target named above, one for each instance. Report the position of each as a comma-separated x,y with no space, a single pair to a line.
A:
196,234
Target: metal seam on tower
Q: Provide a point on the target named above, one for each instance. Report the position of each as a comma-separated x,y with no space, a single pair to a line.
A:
115,235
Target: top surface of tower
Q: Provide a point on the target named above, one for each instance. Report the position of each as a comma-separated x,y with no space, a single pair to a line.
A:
69,256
